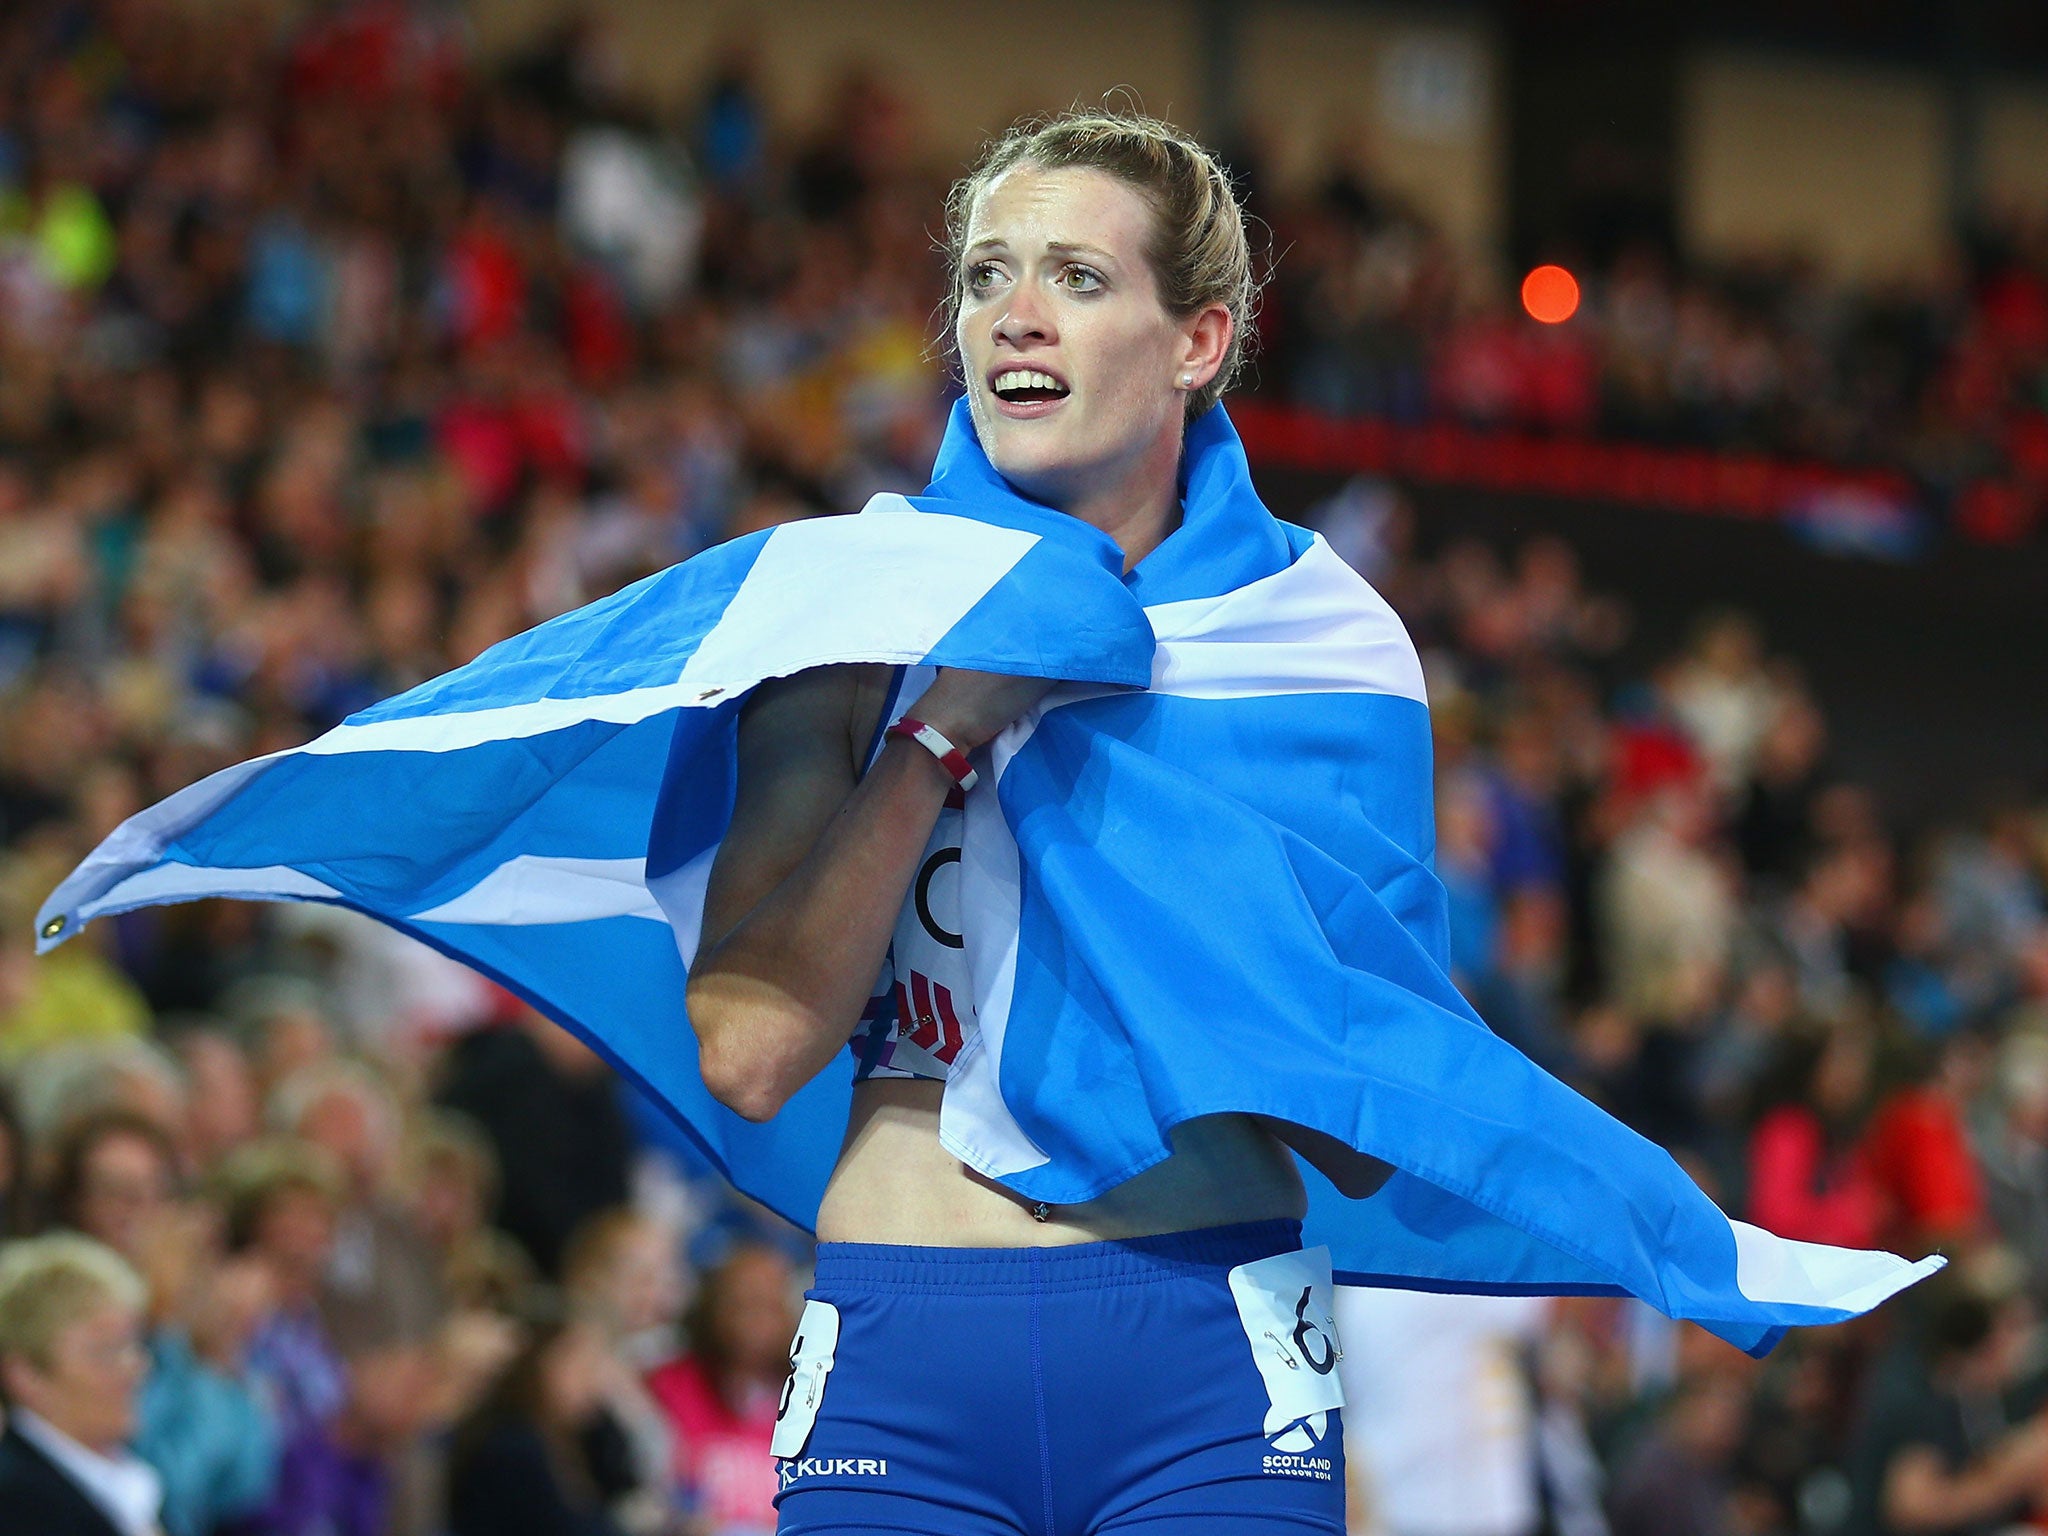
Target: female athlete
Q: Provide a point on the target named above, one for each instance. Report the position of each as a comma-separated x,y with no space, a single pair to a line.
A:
971,1363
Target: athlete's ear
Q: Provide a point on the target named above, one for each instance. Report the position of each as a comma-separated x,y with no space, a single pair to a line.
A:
1207,335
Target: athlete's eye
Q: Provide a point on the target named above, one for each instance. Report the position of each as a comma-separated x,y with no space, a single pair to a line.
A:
1079,278
982,276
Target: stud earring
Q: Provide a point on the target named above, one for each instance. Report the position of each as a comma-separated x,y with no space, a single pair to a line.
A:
1187,381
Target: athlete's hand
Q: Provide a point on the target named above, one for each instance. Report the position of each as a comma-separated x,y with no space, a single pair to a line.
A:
971,707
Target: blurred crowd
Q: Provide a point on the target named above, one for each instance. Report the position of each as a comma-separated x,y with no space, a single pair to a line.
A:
329,357
1941,380
1663,890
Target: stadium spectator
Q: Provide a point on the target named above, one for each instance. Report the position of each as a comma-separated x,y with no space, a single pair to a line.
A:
382,1286
1809,1175
1724,697
1833,928
221,1113
1464,843
484,1275
550,1107
381,1303
1944,1446
202,1423
2009,1137
539,1454
1677,1482
64,1085
114,1179
71,1359
723,1394
454,1184
280,1199
623,1284
1773,824
1919,1149
1668,910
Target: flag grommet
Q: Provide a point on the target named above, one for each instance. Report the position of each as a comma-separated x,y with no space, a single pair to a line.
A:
53,927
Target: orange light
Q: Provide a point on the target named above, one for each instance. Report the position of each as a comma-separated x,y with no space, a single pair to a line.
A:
1551,295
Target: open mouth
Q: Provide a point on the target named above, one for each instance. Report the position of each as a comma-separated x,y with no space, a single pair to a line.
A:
1026,386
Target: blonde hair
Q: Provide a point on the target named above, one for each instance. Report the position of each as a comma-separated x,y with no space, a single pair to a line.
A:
49,1283
1199,252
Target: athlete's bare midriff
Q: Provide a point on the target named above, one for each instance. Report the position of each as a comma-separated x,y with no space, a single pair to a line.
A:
895,1183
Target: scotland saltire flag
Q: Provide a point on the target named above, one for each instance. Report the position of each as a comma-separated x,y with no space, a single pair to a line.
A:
1196,880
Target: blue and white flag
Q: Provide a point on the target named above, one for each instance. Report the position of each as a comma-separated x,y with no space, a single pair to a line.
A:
1197,879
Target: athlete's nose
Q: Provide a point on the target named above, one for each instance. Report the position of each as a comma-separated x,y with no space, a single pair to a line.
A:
1026,318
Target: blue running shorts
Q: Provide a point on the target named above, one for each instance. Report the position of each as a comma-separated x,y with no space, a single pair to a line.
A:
1188,1378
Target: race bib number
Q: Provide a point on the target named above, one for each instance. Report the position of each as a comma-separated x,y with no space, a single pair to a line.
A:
810,1362
1284,1305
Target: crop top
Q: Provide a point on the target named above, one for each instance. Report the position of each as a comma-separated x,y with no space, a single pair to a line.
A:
922,1010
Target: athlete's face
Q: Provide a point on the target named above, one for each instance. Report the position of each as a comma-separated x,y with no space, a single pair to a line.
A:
1073,365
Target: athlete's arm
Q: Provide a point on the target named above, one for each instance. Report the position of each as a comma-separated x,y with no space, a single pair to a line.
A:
806,886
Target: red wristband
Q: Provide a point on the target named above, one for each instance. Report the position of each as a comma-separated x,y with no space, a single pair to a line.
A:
935,741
